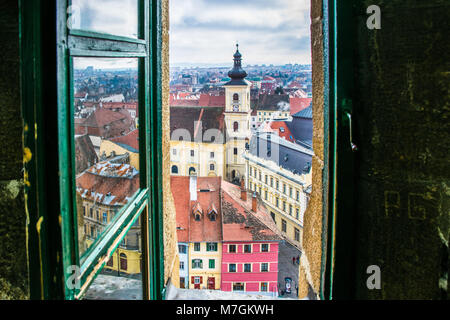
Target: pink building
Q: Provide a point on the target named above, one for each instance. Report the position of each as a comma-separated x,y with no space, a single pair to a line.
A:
250,243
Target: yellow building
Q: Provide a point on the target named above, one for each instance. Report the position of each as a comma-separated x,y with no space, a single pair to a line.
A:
127,144
204,159
205,265
126,261
199,230
283,188
209,136
272,107
267,115
102,191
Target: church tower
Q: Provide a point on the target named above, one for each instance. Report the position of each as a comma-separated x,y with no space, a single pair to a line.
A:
237,119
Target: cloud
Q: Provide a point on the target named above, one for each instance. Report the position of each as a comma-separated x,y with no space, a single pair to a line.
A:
205,31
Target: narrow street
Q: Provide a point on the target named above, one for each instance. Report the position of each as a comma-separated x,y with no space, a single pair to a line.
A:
286,268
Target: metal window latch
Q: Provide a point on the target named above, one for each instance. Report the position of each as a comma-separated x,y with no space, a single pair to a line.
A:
352,145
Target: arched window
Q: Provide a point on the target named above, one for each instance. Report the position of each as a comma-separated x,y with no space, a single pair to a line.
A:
235,97
235,126
123,261
174,169
191,170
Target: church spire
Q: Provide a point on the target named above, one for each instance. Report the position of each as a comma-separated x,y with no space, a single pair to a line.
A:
237,74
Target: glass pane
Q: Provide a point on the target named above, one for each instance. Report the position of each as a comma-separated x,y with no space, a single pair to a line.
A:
106,141
121,278
117,17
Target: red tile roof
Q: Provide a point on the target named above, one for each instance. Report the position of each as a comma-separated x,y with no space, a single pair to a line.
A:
240,223
118,105
298,104
281,129
102,117
118,122
189,230
131,139
184,103
109,184
205,100
295,84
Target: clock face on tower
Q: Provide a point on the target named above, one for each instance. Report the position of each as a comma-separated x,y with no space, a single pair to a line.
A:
236,108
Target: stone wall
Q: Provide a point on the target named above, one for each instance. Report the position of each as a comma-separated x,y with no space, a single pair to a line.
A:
171,263
311,259
13,254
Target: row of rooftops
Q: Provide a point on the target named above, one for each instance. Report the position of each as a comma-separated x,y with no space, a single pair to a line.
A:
108,183
215,210
265,102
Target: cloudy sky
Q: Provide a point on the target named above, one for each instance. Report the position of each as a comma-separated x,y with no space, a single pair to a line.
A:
204,32
268,31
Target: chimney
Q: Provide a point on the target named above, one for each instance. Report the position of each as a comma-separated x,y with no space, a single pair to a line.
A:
243,194
193,187
254,202
243,191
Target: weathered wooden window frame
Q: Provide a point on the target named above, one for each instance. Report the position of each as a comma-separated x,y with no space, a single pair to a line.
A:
47,49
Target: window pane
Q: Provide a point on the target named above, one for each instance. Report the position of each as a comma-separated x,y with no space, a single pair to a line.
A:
120,17
106,141
121,278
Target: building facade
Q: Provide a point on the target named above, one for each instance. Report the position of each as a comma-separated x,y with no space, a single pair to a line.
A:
197,141
209,136
199,230
183,255
281,175
250,243
102,191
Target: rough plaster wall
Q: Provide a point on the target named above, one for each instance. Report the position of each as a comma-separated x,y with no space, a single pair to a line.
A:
170,233
13,255
403,104
310,266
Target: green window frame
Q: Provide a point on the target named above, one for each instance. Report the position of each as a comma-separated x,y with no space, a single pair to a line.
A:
211,246
212,263
196,246
197,264
47,49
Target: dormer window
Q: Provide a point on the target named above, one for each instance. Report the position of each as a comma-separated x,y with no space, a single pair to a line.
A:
212,212
197,212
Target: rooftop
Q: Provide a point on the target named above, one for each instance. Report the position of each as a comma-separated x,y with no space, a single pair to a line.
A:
240,223
109,184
